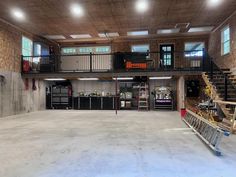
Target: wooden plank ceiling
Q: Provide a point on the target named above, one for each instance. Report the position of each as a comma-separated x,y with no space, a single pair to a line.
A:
53,17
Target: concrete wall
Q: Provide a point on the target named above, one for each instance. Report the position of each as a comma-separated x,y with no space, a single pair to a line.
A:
229,60
14,98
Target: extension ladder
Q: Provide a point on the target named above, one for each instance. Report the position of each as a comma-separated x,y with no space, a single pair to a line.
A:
210,133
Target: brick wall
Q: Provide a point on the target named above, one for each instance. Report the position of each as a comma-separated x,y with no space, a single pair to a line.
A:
14,97
229,60
10,48
155,46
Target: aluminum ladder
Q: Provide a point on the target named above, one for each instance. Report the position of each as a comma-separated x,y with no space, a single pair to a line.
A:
143,99
210,133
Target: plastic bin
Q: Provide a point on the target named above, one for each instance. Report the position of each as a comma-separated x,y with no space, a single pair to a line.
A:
183,112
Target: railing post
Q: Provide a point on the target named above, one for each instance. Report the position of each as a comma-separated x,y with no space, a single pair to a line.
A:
203,59
91,61
22,64
211,69
226,87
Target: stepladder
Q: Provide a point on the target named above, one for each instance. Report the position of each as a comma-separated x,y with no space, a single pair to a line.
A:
143,98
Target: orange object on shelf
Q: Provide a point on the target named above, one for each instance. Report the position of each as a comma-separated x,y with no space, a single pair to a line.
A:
130,65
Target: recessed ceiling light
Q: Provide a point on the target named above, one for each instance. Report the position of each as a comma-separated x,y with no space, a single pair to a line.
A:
213,3
55,37
137,33
201,29
54,79
141,6
80,36
76,10
18,14
88,79
115,34
160,78
168,31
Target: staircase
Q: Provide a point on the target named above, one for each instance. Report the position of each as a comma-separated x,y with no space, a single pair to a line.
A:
224,88
143,99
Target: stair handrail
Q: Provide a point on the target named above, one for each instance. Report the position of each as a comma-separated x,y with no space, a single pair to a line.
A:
215,67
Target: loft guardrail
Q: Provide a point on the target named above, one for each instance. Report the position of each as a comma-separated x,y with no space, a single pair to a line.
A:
115,62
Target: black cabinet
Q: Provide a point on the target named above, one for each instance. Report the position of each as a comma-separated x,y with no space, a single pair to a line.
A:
61,97
84,103
108,103
95,103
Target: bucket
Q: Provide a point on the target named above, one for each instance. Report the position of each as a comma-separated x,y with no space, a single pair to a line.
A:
183,112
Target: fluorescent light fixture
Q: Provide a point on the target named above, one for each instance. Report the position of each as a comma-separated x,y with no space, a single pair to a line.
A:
88,79
201,29
115,34
123,78
76,10
80,36
55,79
18,14
160,78
55,37
137,33
168,31
141,6
214,3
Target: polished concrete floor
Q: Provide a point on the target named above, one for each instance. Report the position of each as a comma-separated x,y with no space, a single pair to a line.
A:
100,144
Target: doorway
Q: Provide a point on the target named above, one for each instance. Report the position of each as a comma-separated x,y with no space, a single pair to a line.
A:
167,56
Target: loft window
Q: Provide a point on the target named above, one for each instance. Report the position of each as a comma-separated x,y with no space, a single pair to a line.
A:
37,52
27,46
68,51
194,49
85,50
140,48
103,49
37,49
225,41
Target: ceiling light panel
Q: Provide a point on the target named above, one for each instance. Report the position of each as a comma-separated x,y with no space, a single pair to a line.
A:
55,37
168,31
201,29
54,79
80,36
88,79
123,78
160,78
108,35
137,33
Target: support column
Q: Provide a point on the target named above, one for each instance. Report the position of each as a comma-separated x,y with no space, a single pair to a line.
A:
181,93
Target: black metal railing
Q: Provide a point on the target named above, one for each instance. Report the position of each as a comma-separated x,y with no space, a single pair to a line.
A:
215,72
116,62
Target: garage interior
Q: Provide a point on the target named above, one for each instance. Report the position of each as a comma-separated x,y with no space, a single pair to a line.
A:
135,88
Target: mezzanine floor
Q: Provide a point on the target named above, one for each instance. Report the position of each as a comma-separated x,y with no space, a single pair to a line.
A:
100,144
